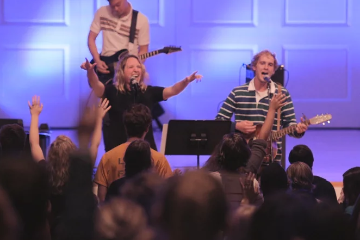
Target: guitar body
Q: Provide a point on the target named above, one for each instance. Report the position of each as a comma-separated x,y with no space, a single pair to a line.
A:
110,62
271,148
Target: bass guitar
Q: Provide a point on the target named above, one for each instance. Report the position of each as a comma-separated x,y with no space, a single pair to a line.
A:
113,59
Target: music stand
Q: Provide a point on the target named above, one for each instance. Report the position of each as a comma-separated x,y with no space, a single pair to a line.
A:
6,121
194,137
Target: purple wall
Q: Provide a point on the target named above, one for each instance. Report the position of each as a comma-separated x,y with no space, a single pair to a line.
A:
43,42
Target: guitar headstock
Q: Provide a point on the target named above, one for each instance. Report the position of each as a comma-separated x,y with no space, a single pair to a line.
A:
170,49
320,119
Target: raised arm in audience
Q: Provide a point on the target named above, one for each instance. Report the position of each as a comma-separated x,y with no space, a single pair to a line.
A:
97,86
96,137
276,102
35,109
258,148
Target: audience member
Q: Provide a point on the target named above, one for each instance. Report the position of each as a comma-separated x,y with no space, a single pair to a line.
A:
323,189
137,121
137,159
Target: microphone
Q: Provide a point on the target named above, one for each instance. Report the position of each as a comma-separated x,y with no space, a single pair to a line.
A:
134,83
266,77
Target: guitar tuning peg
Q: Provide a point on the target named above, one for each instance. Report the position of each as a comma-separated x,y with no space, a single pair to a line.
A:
323,123
328,121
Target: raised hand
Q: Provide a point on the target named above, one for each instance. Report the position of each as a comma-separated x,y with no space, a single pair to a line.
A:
250,193
35,109
86,126
87,65
103,108
35,106
177,172
194,76
278,101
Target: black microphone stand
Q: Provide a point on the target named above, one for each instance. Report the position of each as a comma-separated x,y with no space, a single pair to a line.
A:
134,90
269,98
134,87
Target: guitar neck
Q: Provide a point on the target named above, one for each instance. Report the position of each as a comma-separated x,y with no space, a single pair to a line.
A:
315,120
284,131
149,54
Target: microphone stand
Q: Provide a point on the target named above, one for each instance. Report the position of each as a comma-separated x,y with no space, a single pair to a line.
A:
134,89
269,100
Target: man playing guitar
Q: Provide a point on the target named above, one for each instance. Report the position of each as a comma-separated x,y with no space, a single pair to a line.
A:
115,21
250,102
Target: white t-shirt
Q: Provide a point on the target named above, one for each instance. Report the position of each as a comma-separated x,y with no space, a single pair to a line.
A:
116,31
261,95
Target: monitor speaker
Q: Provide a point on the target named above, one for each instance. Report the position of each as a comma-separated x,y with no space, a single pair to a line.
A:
5,121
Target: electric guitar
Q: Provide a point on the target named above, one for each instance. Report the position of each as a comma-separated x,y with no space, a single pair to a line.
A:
112,60
271,149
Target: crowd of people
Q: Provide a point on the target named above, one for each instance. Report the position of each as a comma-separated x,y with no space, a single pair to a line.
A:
135,194
138,195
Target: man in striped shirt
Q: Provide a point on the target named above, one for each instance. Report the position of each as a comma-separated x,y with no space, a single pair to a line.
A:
250,102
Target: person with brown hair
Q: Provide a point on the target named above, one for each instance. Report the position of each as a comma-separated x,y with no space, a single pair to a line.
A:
323,190
137,121
128,88
9,225
137,160
300,178
26,184
192,206
351,189
250,102
12,140
121,219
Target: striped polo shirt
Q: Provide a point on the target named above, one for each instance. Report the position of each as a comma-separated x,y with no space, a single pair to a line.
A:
245,103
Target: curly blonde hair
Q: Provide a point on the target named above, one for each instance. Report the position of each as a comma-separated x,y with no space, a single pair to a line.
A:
59,162
119,78
256,58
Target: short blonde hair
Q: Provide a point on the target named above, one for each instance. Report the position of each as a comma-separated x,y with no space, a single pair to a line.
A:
256,58
119,77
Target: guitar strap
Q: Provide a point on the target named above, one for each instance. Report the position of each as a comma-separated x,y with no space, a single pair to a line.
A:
278,111
133,26
278,124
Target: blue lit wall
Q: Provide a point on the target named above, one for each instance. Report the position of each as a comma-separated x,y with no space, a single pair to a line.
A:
43,42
